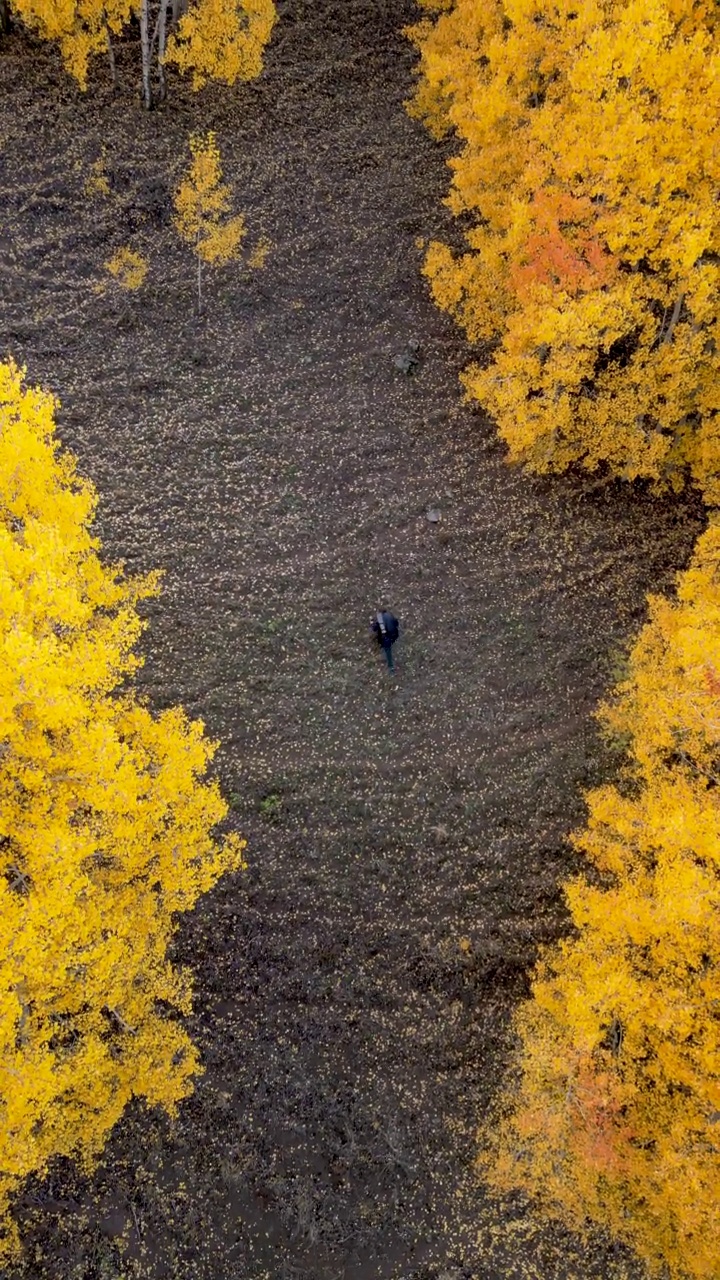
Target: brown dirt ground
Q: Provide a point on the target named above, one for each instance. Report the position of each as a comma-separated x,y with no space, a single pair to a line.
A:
273,460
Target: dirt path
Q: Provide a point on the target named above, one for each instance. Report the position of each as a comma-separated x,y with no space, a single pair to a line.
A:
279,467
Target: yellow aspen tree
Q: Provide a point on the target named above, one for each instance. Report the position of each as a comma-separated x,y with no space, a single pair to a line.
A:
587,176
213,40
613,1111
82,28
222,40
203,204
587,180
106,823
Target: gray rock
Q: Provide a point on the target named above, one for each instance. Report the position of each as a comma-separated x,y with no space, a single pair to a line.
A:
403,361
408,359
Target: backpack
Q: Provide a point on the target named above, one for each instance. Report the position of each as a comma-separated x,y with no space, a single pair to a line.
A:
389,633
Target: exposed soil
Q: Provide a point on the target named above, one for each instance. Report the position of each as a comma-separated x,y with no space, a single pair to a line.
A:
272,458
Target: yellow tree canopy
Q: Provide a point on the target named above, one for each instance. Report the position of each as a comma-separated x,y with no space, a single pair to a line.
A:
213,40
615,1111
105,821
589,168
80,27
203,205
221,40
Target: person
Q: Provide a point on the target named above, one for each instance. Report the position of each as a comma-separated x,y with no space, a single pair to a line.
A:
386,629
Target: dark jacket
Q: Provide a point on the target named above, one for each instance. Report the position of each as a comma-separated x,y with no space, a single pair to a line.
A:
388,632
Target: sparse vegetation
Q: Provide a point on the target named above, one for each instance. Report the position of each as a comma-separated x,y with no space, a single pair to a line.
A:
127,268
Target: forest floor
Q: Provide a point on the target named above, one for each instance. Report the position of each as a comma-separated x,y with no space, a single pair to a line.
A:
271,458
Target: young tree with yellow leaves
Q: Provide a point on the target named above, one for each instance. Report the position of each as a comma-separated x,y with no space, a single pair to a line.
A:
588,169
614,1111
106,823
203,204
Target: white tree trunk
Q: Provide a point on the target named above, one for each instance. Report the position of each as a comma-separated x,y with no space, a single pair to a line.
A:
145,46
162,37
111,60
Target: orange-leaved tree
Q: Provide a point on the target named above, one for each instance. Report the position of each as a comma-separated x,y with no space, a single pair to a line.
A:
106,823
587,178
614,1112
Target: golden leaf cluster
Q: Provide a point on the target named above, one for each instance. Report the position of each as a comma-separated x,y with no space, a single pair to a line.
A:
97,182
106,822
259,255
222,40
213,40
588,171
203,204
128,268
80,27
614,1114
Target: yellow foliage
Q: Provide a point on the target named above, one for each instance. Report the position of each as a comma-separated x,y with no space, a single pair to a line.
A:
128,268
81,27
588,168
214,40
259,255
222,40
203,204
105,822
587,179
97,183
614,1115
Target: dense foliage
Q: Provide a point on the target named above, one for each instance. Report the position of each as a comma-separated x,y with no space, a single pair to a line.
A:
220,41
211,40
587,179
82,28
587,182
105,822
615,1112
